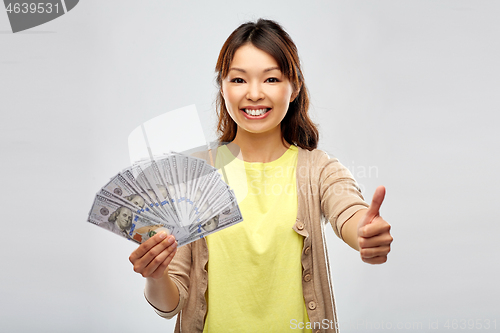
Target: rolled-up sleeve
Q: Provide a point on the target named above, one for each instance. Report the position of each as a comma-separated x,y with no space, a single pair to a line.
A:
339,193
178,270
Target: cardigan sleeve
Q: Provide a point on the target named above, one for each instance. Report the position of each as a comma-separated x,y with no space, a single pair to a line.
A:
340,195
178,270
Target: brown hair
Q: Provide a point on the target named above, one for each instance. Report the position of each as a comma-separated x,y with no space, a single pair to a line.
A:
268,36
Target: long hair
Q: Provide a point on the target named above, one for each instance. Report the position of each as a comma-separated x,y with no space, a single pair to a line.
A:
268,36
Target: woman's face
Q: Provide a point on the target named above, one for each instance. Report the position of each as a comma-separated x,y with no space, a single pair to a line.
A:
255,91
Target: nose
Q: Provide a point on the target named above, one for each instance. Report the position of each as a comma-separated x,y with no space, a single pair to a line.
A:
254,92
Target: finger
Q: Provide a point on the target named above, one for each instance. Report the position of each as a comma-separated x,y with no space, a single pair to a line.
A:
378,198
373,252
149,256
147,245
376,260
379,240
376,227
159,263
159,248
158,273
154,258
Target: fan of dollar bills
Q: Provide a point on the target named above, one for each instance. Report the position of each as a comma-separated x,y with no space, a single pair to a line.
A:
180,194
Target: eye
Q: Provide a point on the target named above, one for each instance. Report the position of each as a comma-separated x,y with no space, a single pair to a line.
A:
272,80
237,80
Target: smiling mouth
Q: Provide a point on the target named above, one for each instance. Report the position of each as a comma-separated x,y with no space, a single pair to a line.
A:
258,112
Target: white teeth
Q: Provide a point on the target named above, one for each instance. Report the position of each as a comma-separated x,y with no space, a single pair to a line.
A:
258,112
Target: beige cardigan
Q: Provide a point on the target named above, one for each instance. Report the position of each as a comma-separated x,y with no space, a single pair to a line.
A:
325,188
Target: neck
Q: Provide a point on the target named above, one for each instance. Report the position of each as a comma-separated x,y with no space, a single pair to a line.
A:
259,147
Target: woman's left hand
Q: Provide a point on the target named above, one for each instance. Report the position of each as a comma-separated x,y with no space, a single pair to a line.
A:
374,237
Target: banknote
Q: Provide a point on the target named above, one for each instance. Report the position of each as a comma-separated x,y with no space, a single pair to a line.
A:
226,219
144,213
141,185
180,194
216,203
119,187
165,168
155,182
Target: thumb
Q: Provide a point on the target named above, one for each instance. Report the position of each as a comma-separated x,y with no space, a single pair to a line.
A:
373,209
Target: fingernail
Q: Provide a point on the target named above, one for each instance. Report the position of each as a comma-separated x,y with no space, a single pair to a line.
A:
170,240
163,235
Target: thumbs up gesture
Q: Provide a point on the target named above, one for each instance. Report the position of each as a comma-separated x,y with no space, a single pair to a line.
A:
374,236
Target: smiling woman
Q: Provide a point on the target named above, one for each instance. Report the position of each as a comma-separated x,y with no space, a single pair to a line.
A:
255,89
270,269
269,51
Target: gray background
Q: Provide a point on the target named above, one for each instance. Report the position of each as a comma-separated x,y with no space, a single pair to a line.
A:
406,93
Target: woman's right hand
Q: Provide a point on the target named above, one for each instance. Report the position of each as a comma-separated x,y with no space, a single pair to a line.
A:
152,257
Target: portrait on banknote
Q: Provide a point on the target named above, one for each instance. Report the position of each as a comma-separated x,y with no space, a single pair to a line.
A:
119,221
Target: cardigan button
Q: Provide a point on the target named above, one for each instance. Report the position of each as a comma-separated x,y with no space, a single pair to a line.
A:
307,277
300,226
308,249
312,305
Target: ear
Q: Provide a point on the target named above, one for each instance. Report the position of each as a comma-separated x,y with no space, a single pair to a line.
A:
295,94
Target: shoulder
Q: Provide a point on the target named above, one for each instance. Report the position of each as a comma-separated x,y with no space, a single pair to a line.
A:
315,154
319,165
315,159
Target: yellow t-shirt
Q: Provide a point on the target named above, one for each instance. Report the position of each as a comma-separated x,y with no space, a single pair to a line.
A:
254,267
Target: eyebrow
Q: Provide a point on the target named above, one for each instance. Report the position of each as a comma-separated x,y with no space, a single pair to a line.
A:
244,71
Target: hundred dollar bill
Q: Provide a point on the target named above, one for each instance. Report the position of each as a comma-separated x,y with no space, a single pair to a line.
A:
119,187
221,203
182,174
154,180
198,169
146,185
191,170
137,195
221,195
170,170
227,218
112,216
122,220
184,194
196,179
142,186
211,192
167,182
174,170
214,206
207,184
137,210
